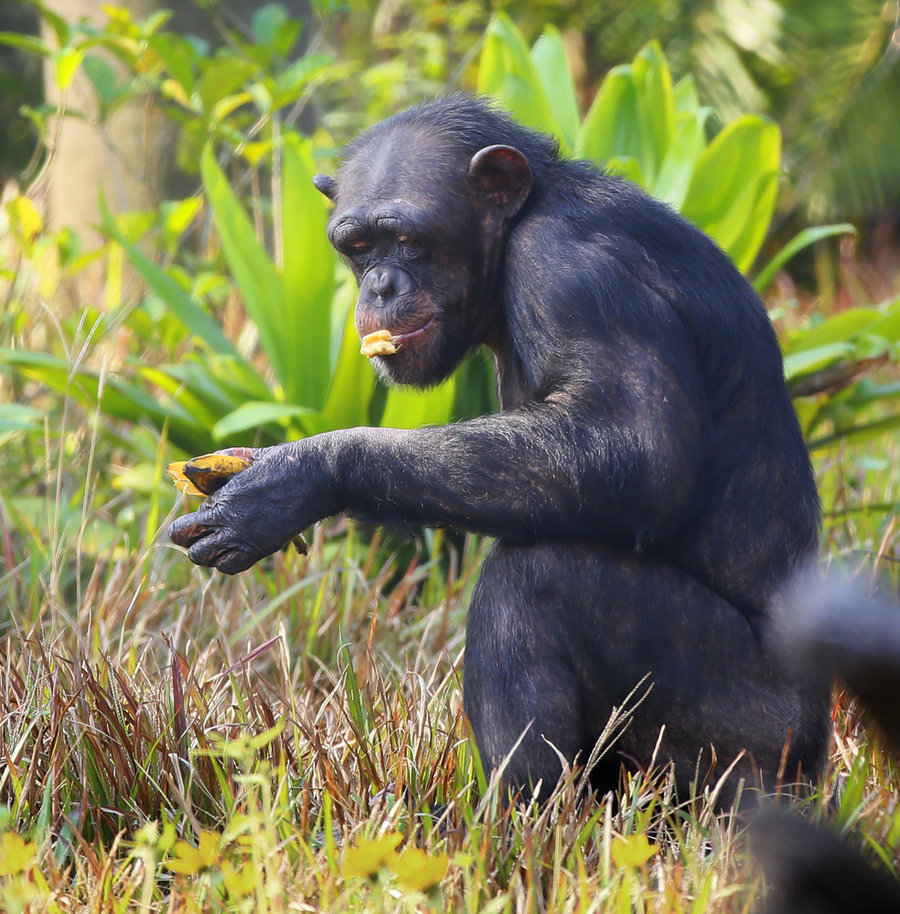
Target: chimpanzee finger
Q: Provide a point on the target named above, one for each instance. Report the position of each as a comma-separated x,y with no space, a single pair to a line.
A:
189,529
218,550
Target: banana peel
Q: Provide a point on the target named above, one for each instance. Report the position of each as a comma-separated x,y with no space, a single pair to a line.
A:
203,475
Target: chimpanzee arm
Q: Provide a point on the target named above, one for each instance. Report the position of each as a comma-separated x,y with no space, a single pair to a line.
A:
613,449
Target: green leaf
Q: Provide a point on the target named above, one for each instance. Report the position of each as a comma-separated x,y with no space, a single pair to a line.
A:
250,416
16,417
674,176
753,221
253,271
840,328
798,363
179,56
66,63
743,151
858,434
25,43
308,277
627,167
176,300
612,127
301,73
549,56
352,384
223,77
803,240
103,78
507,71
657,106
686,98
410,408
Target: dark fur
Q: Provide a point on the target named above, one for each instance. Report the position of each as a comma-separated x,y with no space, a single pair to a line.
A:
646,478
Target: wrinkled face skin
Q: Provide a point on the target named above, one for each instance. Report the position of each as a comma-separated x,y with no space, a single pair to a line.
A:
406,222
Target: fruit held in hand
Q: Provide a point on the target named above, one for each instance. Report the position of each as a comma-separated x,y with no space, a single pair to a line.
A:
208,473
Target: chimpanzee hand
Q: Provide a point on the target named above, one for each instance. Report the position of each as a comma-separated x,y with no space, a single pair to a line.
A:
284,491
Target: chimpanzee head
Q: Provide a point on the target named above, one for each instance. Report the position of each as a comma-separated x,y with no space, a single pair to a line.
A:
423,207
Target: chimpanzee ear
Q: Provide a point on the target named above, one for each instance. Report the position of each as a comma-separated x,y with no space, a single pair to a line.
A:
326,185
502,175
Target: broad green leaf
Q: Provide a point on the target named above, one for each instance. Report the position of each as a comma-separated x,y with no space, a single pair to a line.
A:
858,434
745,149
25,43
674,176
627,167
300,73
507,72
114,396
179,56
613,125
172,295
657,106
410,408
307,277
800,241
549,56
352,383
16,417
840,328
755,224
798,363
686,98
223,77
202,408
740,216
66,63
250,416
253,271
888,324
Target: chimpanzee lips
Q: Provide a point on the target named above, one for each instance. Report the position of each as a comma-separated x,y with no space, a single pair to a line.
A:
401,340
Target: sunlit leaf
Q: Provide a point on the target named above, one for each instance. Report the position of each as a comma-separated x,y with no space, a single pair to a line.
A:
613,125
415,869
507,72
16,854
549,56
633,851
240,882
410,408
189,860
369,855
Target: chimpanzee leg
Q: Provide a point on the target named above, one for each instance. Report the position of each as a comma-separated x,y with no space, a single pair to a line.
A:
559,633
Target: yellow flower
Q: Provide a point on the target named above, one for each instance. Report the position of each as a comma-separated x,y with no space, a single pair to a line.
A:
190,860
369,855
415,869
16,854
239,882
635,850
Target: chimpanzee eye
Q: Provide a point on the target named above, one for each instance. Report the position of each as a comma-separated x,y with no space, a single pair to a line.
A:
409,248
360,246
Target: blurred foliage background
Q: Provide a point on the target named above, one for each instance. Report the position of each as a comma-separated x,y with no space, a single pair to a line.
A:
167,289
162,259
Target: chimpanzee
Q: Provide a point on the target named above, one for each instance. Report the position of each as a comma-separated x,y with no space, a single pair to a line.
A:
645,478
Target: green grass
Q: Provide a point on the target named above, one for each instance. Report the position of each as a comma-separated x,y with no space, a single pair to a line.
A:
292,738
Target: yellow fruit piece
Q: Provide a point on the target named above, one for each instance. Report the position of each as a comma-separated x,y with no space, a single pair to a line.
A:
182,483
206,474
381,342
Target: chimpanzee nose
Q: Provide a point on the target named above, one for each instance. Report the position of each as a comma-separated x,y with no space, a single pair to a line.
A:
390,282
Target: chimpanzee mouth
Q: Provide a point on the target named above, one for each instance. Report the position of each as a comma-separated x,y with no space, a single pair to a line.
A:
402,340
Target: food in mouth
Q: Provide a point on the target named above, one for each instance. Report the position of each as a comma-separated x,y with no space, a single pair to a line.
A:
381,342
